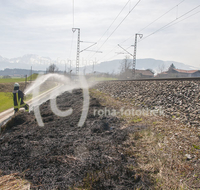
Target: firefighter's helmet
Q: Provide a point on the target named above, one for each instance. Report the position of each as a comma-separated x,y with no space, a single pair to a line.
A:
16,84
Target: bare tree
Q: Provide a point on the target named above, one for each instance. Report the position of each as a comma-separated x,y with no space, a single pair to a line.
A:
52,68
161,68
125,65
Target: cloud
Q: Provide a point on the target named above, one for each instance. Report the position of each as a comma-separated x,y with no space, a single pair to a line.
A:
44,28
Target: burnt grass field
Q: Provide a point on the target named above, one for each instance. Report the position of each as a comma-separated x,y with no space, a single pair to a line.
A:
62,155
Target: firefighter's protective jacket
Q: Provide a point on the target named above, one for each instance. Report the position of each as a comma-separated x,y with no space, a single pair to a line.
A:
18,99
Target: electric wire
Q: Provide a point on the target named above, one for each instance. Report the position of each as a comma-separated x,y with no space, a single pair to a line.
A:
113,22
170,23
155,20
71,46
72,38
164,27
147,26
114,49
183,19
103,57
160,16
117,26
73,12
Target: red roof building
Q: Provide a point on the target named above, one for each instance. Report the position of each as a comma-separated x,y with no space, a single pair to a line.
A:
173,72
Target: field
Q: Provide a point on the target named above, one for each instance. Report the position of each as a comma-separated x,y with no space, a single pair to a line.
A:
6,88
6,101
32,77
11,80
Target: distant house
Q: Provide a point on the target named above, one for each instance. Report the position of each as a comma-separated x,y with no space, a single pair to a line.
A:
144,73
138,73
173,72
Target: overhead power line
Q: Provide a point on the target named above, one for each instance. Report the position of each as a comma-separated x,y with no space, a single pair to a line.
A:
155,20
146,26
72,38
113,21
160,16
183,19
118,26
71,46
73,12
170,23
166,26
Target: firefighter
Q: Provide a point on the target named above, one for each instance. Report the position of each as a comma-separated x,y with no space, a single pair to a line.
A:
18,99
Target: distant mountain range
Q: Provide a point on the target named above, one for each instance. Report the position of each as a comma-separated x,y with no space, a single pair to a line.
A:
25,62
23,65
141,64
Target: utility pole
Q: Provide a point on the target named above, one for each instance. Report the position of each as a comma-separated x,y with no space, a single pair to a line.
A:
78,49
134,55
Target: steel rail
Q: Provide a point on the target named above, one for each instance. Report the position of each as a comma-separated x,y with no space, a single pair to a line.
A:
156,79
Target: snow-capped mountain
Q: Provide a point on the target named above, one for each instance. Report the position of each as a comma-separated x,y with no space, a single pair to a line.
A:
42,63
25,62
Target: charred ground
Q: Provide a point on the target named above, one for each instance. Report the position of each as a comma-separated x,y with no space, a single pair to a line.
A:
63,156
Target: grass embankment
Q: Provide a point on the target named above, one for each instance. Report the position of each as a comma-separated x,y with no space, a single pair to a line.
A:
165,150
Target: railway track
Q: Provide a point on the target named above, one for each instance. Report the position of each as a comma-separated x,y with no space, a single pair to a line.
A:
157,79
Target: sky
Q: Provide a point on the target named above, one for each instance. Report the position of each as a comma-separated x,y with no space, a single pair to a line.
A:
44,27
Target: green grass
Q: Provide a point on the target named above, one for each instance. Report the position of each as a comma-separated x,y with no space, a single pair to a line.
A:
32,77
136,120
6,101
10,80
196,147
